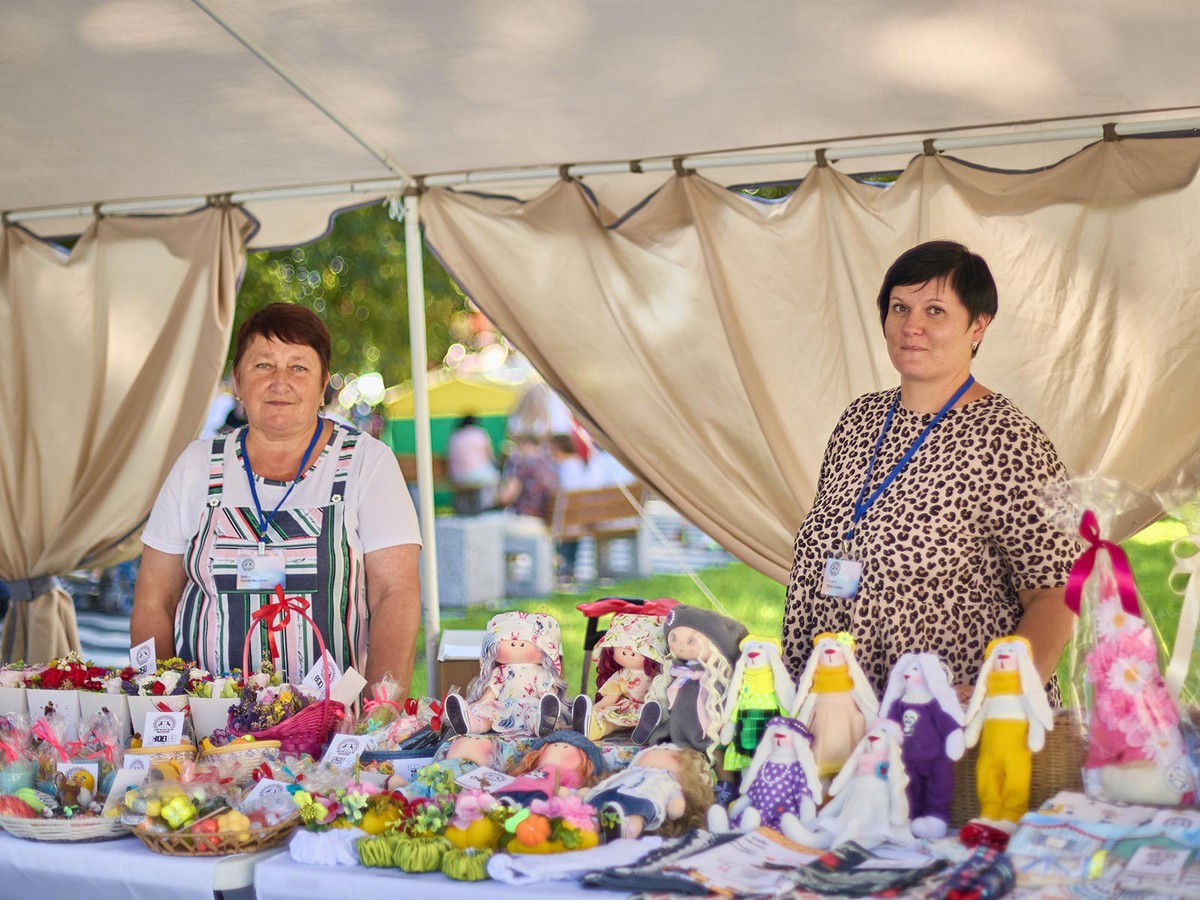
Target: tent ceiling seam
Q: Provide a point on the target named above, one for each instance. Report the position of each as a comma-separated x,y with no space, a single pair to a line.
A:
407,184
277,67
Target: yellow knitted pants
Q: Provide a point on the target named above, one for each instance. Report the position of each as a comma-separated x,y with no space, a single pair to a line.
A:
1003,769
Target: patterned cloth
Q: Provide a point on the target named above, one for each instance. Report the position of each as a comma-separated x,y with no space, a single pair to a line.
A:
541,630
519,688
538,481
945,549
641,634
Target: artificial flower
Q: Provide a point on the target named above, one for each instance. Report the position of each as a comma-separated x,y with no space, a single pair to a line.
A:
471,806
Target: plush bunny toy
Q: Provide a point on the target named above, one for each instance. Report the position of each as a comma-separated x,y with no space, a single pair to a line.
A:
870,804
1008,717
780,789
921,700
834,700
760,688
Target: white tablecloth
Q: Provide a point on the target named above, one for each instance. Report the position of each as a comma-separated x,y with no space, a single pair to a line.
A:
280,878
116,870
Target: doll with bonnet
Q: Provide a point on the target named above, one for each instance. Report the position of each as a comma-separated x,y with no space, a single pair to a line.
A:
628,658
704,646
922,701
834,701
520,687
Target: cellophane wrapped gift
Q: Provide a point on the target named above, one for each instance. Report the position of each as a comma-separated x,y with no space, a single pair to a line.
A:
1136,751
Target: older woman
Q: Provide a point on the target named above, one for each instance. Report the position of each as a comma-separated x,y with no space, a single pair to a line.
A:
925,533
289,499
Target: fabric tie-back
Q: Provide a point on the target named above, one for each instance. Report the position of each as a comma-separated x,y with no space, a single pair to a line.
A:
111,353
712,340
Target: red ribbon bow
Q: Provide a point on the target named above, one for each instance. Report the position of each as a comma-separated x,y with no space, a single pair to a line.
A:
277,616
42,730
381,699
1089,530
263,771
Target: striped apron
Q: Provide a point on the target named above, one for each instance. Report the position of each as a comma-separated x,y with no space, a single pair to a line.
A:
213,616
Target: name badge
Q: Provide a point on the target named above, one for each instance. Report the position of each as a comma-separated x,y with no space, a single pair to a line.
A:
262,571
840,578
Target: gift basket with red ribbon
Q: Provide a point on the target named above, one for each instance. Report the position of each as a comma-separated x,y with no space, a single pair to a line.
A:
309,729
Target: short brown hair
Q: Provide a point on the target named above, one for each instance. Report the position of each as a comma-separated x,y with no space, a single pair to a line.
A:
290,323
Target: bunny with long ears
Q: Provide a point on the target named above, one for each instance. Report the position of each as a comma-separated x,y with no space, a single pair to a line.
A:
870,802
759,689
1008,717
834,700
922,701
780,789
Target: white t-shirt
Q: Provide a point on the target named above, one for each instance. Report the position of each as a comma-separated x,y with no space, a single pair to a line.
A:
377,500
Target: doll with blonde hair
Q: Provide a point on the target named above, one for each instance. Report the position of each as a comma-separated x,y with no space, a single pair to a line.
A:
520,687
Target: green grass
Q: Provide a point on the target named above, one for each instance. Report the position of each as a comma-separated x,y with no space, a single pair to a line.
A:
758,601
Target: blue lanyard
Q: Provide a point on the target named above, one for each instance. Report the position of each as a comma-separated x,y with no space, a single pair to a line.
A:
861,507
265,521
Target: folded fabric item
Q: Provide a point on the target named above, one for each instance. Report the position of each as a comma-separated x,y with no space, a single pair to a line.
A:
647,874
527,869
839,873
986,875
326,848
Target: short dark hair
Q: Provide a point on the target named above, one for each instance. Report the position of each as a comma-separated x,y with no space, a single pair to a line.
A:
287,322
967,273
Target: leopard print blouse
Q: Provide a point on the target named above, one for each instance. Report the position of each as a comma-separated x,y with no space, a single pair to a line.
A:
945,548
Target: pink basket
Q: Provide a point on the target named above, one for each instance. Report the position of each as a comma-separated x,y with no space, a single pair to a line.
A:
308,730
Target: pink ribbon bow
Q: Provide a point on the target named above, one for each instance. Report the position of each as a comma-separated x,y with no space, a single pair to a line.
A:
42,730
1089,529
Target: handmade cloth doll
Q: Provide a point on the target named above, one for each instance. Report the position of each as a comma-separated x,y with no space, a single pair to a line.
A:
870,804
759,689
780,789
520,686
627,659
559,762
1008,717
834,700
704,646
665,789
921,700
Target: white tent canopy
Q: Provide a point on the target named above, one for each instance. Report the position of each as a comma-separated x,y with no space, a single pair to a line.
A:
297,109
173,101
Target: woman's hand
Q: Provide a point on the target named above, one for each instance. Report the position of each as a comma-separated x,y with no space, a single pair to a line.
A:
964,692
159,588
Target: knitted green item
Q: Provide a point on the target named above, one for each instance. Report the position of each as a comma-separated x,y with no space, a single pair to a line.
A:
421,854
466,865
377,852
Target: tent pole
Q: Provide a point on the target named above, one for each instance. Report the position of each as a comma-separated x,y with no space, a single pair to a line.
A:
416,331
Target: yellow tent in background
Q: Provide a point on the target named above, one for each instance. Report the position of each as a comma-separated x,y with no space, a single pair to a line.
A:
451,395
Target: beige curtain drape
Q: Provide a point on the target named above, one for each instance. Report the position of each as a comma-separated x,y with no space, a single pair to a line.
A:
713,340
111,353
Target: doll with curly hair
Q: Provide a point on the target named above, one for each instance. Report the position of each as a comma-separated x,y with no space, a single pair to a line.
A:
665,789
628,659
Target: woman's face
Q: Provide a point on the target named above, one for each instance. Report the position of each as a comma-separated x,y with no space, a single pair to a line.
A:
929,331
281,386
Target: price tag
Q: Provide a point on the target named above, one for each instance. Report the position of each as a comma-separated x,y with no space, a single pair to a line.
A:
407,768
345,749
315,679
137,763
270,795
1157,862
163,729
143,658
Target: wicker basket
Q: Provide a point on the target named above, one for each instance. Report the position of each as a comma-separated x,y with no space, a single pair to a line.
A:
251,753
184,843
1057,767
80,830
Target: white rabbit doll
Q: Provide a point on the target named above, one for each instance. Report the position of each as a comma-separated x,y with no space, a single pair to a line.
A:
869,804
780,789
834,700
759,689
921,700
1008,717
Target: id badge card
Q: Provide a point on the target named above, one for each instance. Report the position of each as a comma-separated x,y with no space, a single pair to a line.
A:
840,578
262,571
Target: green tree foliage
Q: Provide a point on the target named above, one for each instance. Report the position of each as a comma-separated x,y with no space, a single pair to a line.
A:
355,279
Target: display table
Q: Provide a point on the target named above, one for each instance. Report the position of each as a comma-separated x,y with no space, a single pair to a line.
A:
120,870
280,878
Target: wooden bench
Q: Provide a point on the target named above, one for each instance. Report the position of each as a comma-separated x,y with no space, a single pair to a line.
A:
408,467
605,514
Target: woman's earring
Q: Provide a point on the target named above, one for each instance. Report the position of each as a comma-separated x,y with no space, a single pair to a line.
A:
974,346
